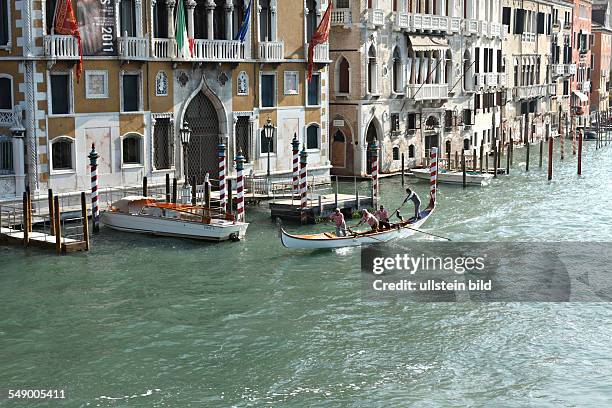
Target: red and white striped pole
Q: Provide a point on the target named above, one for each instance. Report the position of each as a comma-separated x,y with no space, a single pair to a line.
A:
95,211
295,143
303,185
222,197
239,187
433,180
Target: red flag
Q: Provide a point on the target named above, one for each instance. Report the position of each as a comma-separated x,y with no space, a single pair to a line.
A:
320,36
66,24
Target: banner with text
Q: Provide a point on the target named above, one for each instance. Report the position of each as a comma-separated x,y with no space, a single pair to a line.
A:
97,25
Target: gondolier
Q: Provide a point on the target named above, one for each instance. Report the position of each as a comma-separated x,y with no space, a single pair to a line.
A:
338,218
367,217
411,195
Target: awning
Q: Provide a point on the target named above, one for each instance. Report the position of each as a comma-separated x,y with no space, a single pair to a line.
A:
581,96
427,43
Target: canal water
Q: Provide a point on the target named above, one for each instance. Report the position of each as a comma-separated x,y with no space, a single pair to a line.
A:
151,322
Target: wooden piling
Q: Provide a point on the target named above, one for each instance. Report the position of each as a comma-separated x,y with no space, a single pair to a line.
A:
84,222
174,190
508,159
579,153
30,212
51,212
527,156
356,192
541,152
144,186
448,160
320,203
456,160
500,152
167,187
25,223
402,178
463,168
207,191
481,156
487,162
58,226
511,141
336,192
550,158
495,159
230,191
475,161
194,191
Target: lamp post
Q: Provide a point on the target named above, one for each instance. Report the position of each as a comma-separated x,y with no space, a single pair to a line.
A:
185,133
268,131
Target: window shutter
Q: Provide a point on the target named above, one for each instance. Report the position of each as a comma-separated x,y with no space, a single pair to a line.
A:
540,23
506,16
519,21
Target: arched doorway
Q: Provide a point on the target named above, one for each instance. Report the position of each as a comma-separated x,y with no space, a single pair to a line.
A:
202,150
371,135
338,150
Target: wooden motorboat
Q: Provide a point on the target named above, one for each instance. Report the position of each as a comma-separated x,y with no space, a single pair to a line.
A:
146,216
455,177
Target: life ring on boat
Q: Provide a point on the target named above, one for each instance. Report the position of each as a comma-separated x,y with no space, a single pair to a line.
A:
234,237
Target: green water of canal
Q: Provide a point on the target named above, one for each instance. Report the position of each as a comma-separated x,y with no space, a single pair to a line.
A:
151,322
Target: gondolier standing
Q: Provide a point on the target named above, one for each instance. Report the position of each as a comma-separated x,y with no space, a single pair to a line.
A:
411,195
338,218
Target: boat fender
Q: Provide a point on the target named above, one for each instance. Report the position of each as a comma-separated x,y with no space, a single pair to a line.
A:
234,237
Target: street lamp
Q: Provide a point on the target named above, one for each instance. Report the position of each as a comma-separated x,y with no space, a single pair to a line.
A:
268,132
185,133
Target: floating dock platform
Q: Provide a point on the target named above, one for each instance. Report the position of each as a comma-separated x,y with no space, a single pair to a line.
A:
318,206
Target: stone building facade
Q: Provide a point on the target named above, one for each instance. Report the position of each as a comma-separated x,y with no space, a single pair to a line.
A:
602,54
412,75
137,89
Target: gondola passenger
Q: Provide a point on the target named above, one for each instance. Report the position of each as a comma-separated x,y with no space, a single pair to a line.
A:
383,217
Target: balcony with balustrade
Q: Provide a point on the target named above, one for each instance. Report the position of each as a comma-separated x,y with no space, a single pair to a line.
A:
585,86
470,27
502,79
401,21
341,17
528,37
321,53
480,79
61,47
427,92
430,22
163,48
133,48
570,69
376,18
492,79
271,51
529,91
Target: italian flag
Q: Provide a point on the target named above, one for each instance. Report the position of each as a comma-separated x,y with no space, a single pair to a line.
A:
184,43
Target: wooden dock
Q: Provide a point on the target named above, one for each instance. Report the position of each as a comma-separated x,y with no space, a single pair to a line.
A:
318,206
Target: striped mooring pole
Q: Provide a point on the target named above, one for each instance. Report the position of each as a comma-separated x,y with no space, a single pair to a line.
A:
95,211
221,154
239,187
374,157
303,185
433,179
295,144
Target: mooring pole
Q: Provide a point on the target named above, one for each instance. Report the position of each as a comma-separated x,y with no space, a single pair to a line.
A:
222,189
85,223
495,158
402,170
303,185
144,186
295,150
550,158
174,191
481,155
541,151
475,161
95,212
58,226
25,225
239,187
51,212
579,135
527,156
508,159
374,156
463,168
167,187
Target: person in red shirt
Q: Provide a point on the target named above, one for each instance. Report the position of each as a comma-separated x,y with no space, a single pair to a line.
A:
383,217
338,218
367,217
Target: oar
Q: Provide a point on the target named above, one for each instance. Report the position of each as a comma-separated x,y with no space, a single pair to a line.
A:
427,233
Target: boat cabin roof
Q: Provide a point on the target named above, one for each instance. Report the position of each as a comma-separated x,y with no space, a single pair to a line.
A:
128,203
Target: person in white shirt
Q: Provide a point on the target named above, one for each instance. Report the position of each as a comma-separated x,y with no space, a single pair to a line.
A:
412,196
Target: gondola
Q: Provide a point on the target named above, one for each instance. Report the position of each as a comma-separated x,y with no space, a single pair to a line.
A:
400,230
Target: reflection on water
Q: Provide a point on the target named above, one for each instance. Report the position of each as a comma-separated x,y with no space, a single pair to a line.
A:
252,323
